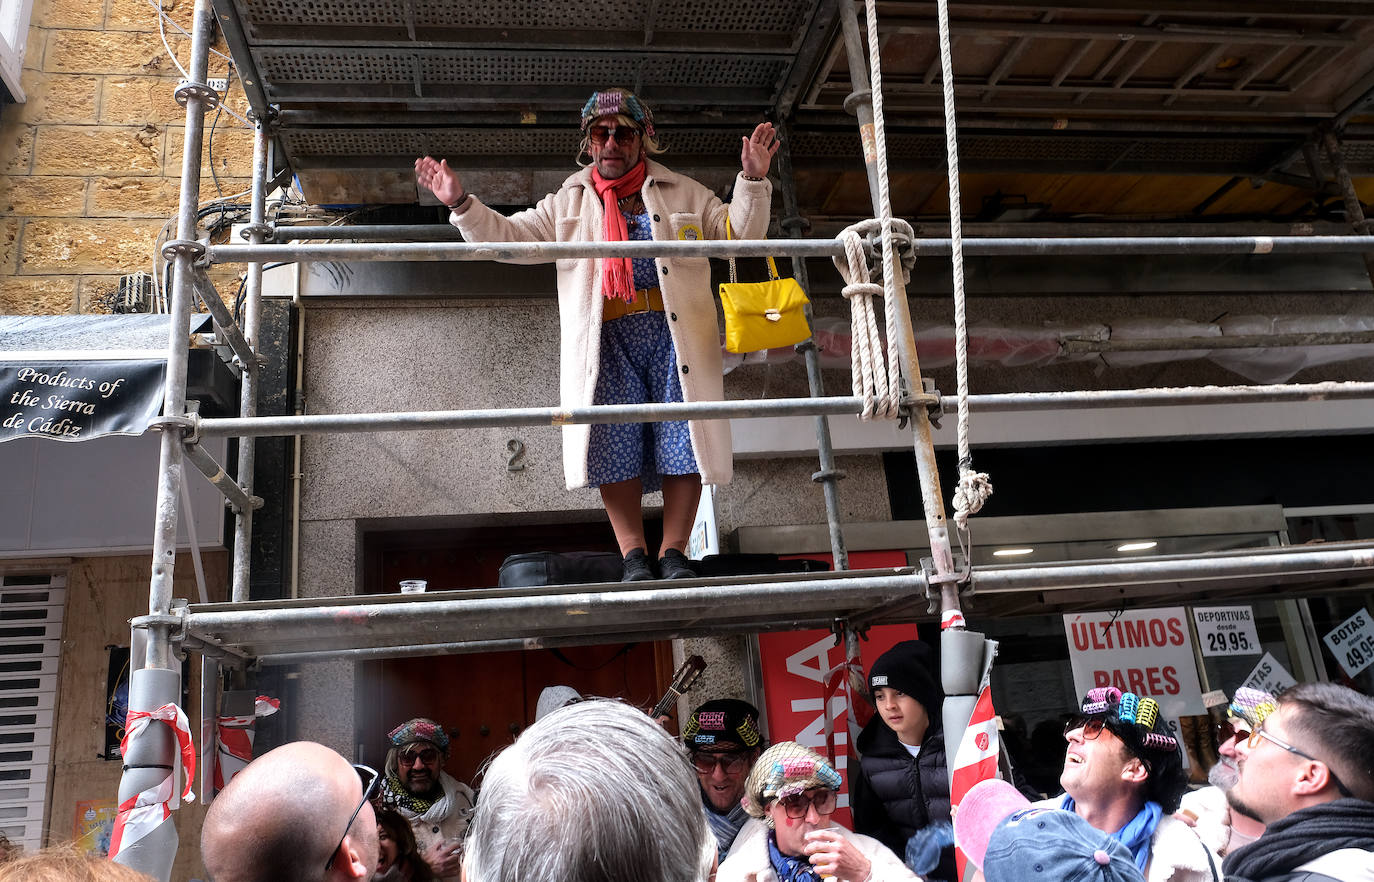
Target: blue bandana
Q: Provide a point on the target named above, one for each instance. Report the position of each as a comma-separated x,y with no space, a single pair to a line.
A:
789,869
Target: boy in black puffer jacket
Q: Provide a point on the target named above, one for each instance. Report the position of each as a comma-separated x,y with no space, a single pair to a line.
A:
901,789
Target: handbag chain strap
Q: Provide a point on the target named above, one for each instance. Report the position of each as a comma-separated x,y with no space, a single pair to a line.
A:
729,236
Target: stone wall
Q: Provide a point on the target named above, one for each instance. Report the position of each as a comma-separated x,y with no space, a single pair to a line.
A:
90,164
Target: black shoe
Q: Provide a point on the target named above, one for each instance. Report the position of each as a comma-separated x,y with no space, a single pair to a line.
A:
637,567
675,565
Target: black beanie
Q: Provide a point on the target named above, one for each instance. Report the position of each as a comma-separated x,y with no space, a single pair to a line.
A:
910,667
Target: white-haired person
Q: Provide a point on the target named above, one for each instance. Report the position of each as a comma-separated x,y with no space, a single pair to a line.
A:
795,791
593,792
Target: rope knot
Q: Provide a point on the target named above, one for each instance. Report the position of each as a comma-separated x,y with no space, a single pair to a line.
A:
974,490
862,289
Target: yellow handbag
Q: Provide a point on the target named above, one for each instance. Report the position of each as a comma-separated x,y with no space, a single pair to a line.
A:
762,315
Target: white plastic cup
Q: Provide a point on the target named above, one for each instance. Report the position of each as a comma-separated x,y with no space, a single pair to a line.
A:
413,586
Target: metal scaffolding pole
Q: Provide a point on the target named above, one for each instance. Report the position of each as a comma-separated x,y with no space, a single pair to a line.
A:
1354,211
530,416
414,421
990,246
860,102
252,369
827,476
152,756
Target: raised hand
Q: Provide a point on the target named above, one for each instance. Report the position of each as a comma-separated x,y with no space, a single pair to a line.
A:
435,175
757,153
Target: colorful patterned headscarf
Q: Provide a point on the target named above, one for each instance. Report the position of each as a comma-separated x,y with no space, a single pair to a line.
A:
785,769
618,102
420,729
1252,705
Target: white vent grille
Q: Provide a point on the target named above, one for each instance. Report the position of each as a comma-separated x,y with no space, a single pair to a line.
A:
30,648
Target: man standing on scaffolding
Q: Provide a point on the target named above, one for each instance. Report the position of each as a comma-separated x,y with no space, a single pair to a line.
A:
633,331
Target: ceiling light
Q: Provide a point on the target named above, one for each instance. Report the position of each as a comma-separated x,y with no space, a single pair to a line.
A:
1137,546
1012,552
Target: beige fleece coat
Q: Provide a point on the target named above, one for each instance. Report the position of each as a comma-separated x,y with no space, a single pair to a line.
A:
679,208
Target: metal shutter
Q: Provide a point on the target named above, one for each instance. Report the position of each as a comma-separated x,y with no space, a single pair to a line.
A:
31,609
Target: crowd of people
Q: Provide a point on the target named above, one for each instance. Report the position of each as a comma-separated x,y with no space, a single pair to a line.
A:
596,790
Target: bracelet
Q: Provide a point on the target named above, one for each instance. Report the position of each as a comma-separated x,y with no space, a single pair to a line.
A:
460,203
750,177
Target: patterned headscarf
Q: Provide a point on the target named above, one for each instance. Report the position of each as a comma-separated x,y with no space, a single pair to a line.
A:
617,102
420,729
785,769
1252,706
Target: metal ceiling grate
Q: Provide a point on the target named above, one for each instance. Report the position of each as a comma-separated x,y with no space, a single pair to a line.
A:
283,67
761,17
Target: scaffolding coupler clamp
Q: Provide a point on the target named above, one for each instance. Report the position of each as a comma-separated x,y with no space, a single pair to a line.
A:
856,99
189,424
267,231
189,247
838,627
174,621
209,98
826,475
962,575
933,400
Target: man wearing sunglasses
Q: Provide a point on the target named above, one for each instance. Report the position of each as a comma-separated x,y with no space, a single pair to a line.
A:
436,804
1307,773
1123,774
722,737
634,331
297,812
1207,810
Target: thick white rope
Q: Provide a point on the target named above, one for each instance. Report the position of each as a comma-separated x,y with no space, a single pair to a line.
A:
891,266
866,347
974,487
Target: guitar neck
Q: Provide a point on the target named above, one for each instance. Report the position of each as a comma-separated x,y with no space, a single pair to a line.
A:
669,698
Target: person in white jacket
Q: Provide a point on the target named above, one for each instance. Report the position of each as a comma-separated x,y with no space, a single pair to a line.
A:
634,331
794,791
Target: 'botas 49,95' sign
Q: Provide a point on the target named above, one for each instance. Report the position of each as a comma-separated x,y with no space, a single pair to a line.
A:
1146,651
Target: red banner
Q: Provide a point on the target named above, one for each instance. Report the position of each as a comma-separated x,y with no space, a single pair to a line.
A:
804,672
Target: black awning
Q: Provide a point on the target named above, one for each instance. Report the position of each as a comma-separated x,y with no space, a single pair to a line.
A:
71,378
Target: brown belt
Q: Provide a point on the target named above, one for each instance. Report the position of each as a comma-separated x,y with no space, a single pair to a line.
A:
646,300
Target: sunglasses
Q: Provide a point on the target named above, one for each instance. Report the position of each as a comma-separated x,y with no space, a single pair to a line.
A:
1260,735
730,763
369,779
623,135
798,804
1092,728
1230,728
425,755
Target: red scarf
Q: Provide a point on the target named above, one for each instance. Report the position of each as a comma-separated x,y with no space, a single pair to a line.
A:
617,273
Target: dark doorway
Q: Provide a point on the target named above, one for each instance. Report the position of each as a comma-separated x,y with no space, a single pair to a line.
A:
484,700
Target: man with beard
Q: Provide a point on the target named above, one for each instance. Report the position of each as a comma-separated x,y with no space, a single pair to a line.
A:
1305,773
435,803
722,737
1207,810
